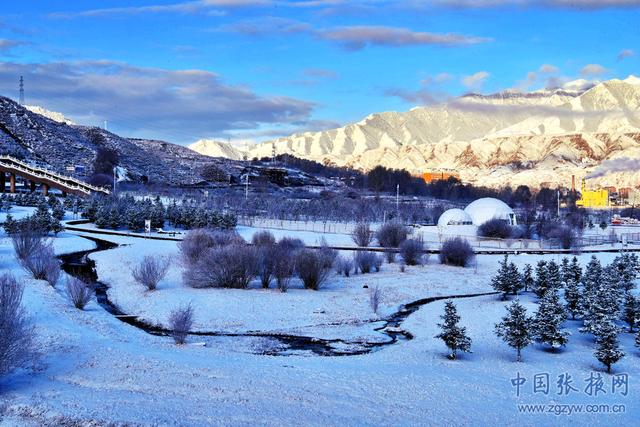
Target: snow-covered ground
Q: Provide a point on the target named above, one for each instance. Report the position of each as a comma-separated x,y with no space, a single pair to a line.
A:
95,369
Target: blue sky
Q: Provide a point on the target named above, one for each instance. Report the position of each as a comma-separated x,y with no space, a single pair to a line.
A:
253,69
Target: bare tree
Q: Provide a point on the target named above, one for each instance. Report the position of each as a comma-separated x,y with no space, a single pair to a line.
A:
181,322
52,272
16,337
78,292
150,271
42,262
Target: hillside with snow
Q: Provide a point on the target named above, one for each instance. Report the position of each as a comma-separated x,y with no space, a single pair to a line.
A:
510,137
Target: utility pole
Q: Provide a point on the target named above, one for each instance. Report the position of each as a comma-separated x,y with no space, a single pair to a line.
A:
398,200
558,203
105,125
21,99
115,181
246,186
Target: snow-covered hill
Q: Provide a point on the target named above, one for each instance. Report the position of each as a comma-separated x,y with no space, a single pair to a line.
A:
52,115
510,137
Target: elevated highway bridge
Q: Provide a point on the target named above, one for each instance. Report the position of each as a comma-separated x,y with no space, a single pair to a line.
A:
13,168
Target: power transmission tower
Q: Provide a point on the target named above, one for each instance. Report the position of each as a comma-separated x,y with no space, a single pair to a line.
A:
21,99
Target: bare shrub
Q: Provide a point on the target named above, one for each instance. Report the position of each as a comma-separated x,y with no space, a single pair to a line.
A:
150,271
362,234
232,266
367,261
198,241
78,292
375,296
411,251
194,244
52,272
327,254
390,256
392,234
265,263
283,266
343,266
495,228
181,322
16,337
291,244
456,251
42,262
312,268
563,235
377,263
263,238
25,243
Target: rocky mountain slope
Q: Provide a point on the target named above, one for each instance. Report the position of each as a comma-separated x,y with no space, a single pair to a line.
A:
48,140
510,137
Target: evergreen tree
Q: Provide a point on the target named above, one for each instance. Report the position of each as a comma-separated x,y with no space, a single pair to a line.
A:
542,282
547,322
58,212
626,270
591,280
608,349
572,296
631,310
515,328
454,336
565,270
10,225
602,305
576,270
527,278
554,276
507,279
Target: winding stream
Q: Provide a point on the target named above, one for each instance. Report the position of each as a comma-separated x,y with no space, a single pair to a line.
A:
79,265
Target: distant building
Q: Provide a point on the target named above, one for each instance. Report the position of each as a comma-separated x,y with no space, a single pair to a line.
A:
593,198
477,213
439,175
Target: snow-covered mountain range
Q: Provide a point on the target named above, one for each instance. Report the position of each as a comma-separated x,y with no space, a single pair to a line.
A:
581,129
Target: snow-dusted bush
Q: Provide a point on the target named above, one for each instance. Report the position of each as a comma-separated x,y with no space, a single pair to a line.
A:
16,333
343,266
150,271
78,292
266,259
181,322
263,238
390,255
563,235
362,234
375,296
456,251
495,228
392,234
232,266
366,261
312,267
411,251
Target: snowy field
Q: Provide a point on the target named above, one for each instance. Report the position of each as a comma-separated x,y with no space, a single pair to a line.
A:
94,369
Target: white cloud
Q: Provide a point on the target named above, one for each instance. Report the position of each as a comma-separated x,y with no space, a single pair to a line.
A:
548,69
625,53
182,105
591,70
476,80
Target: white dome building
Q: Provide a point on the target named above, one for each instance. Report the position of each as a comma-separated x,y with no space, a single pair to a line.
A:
454,217
483,210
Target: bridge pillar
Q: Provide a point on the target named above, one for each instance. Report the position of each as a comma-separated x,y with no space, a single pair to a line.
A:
12,182
32,186
45,190
3,182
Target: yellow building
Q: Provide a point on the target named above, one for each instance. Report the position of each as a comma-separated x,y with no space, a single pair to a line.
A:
593,198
